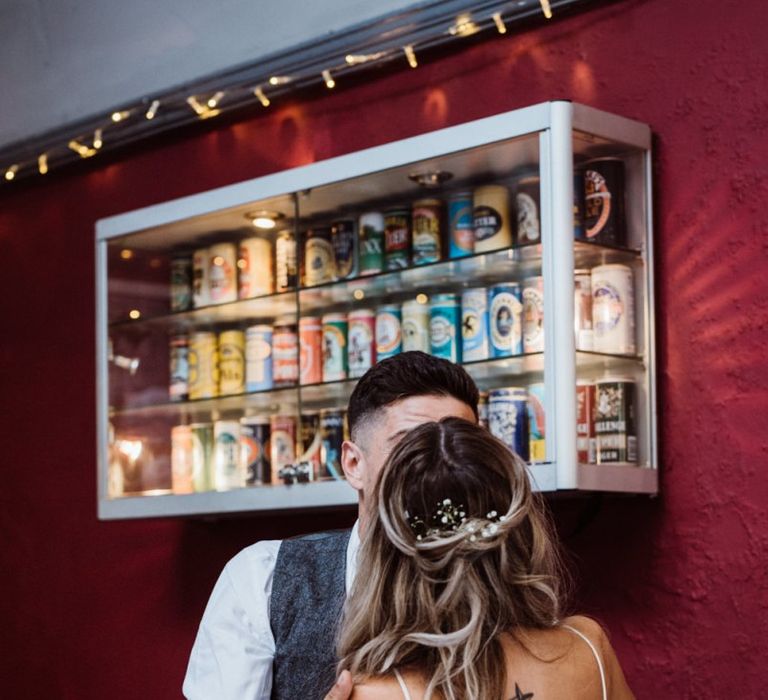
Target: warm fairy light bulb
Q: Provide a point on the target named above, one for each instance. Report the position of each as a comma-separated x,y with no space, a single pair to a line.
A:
81,149
422,298
499,22
410,54
202,111
546,9
262,97
120,116
218,261
152,111
126,253
42,163
215,100
358,294
354,59
134,314
97,140
279,80
464,26
329,81
11,172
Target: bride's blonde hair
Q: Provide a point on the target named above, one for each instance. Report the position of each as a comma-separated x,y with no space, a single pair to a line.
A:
457,552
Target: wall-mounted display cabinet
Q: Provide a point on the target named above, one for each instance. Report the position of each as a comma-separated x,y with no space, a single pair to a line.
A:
232,325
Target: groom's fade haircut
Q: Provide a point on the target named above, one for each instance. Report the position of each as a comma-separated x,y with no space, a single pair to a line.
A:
405,375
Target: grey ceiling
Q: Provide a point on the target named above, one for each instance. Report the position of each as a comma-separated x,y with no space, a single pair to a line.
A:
67,59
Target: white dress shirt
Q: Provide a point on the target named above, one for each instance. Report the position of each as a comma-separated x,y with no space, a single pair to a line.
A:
234,648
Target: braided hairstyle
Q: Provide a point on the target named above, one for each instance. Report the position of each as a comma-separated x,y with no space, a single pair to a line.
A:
459,552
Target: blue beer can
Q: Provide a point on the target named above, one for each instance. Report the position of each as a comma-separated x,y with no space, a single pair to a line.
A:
258,358
388,331
474,325
445,327
506,319
508,418
461,225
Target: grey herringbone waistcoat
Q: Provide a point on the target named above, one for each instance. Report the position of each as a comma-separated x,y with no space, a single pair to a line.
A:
308,591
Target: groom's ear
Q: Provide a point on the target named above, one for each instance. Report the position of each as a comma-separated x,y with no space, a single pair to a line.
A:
353,464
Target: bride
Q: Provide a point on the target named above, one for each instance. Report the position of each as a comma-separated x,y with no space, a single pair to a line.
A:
463,597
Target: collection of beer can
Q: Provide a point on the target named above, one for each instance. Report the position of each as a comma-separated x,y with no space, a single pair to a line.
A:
485,219
605,420
476,324
257,450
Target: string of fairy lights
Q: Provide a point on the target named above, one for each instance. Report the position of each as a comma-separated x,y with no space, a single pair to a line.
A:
210,105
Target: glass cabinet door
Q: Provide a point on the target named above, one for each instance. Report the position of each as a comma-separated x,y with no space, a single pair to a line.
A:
234,325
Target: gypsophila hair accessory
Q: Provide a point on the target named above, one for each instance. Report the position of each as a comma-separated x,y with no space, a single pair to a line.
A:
448,519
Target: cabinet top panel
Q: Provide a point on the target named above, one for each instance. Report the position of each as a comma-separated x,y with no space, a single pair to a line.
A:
225,207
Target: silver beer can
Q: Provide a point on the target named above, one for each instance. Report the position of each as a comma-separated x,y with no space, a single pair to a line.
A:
613,309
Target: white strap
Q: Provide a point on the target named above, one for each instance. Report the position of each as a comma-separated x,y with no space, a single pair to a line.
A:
403,686
597,658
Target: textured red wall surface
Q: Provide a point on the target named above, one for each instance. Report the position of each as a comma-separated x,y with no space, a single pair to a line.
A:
109,610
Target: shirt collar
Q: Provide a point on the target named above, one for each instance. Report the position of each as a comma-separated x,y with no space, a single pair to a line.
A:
353,547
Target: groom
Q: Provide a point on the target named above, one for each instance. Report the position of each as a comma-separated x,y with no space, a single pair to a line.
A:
269,628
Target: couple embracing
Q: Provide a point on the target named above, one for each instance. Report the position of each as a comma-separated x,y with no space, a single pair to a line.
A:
449,586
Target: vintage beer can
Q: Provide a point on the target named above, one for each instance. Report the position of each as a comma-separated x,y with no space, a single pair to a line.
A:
397,238
286,262
361,347
258,358
203,365
578,203
604,201
491,218
613,309
231,362
310,350
482,409
415,326
475,343
445,327
254,267
344,242
310,443
371,243
227,473
615,420
282,443
527,200
586,447
201,287
461,225
255,450
582,310
388,331
335,367
319,267
181,282
179,387
202,456
332,435
285,354
222,273
506,319
537,427
533,314
426,218
508,418
181,459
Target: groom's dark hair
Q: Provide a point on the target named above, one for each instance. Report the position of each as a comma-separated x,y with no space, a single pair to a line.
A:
404,375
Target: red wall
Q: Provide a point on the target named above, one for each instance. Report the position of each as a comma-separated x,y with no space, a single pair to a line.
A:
97,610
